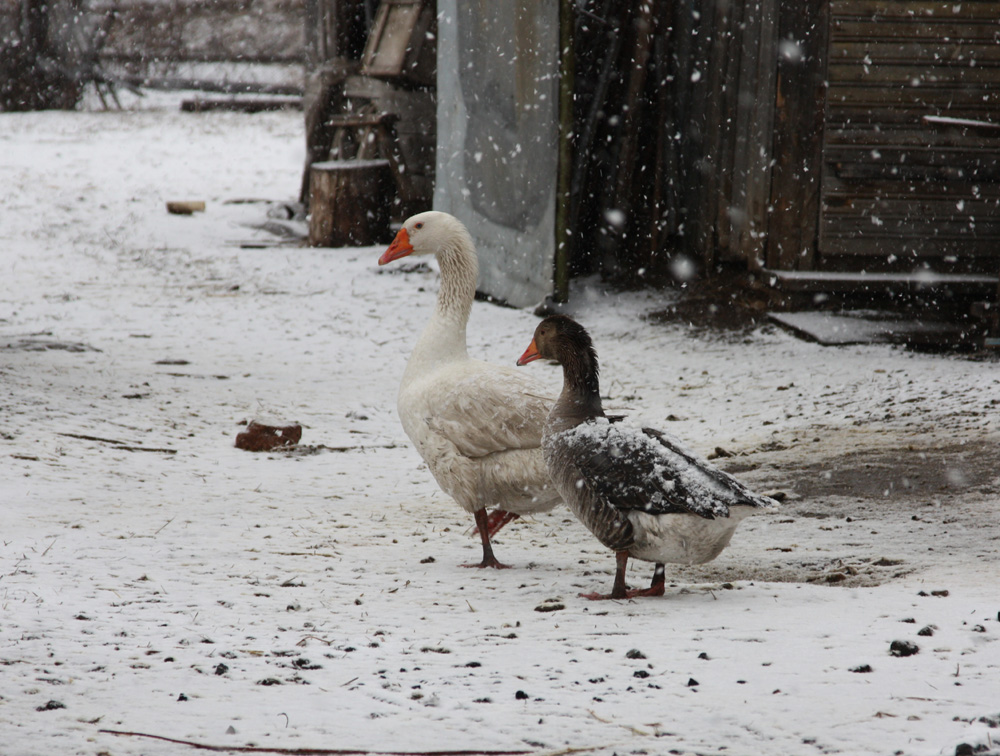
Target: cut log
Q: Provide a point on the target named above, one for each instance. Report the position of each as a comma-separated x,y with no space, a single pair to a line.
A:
186,208
349,202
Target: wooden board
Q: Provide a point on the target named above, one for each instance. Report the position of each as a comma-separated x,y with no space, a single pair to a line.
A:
900,190
798,134
401,43
870,327
921,282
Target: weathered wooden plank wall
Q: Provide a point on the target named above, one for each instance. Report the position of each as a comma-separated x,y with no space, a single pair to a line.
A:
791,135
798,134
754,131
898,190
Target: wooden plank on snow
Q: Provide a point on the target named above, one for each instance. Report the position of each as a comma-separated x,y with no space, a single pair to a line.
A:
848,282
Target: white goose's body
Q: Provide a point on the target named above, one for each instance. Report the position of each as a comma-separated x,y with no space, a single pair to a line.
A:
477,426
479,434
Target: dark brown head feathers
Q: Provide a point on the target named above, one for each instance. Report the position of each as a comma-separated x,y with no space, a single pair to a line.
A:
559,337
562,339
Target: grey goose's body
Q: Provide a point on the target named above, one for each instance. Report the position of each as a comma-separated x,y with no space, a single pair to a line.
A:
640,491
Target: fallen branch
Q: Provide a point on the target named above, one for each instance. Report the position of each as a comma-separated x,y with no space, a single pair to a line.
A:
117,444
93,438
306,553
312,751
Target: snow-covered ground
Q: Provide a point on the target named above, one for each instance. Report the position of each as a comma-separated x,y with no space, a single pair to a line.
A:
154,579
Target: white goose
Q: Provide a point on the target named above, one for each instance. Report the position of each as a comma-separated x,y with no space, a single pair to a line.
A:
478,426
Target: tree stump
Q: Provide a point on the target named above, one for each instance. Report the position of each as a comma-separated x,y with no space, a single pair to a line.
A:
349,202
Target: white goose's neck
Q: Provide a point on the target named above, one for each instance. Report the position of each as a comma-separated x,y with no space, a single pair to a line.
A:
443,338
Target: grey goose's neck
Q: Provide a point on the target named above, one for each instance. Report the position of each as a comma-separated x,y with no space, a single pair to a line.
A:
580,399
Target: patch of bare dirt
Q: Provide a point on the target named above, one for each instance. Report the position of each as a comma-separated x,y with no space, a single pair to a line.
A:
866,516
732,302
910,471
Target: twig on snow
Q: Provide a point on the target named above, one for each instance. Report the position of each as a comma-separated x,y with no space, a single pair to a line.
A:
574,749
163,526
117,444
313,751
316,637
630,728
84,437
306,553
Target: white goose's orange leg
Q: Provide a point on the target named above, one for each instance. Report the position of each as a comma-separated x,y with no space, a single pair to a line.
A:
484,533
497,519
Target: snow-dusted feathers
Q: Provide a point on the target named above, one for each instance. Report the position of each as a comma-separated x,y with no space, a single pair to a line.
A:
651,471
640,491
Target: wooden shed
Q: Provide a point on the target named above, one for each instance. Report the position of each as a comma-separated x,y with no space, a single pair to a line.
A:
822,145
827,144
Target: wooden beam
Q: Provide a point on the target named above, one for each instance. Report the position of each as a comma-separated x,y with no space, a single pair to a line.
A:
800,281
564,199
760,139
798,134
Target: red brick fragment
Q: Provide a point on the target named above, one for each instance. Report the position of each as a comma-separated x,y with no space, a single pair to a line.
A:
258,437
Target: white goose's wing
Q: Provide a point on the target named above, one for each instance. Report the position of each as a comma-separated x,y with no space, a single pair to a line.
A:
489,409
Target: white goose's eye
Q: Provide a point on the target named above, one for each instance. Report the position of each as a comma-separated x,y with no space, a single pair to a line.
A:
418,226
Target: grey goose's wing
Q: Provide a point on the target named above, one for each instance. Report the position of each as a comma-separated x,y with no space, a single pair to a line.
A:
646,470
708,477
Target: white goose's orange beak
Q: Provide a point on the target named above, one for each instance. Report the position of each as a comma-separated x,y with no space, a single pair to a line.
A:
400,247
530,354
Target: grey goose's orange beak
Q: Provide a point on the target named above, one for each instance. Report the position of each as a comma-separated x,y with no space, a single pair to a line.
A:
530,354
400,247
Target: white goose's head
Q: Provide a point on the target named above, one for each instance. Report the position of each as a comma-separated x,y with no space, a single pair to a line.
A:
430,233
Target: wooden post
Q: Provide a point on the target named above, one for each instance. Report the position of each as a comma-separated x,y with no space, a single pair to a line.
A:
564,201
798,134
349,203
324,96
37,62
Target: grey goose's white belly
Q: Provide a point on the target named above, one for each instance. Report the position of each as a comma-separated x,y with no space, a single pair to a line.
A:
682,538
